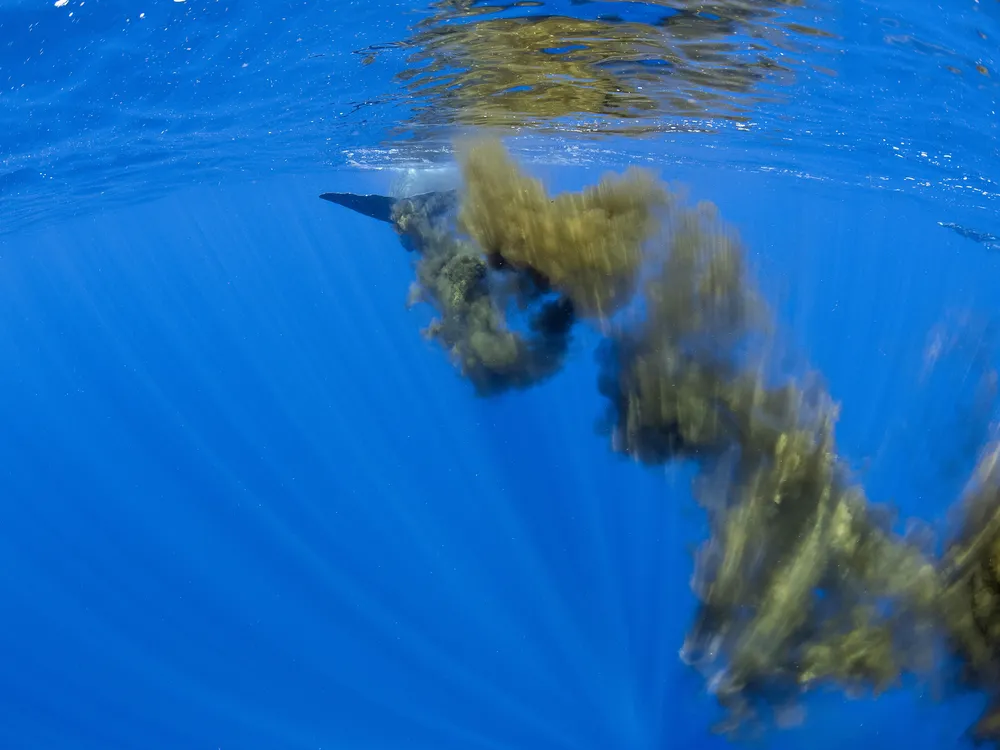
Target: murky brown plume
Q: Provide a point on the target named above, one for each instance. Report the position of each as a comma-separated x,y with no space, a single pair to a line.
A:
802,581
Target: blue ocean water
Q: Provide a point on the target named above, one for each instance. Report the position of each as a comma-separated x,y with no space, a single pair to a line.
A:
244,504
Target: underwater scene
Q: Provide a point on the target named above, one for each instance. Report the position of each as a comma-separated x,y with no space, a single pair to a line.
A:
498,375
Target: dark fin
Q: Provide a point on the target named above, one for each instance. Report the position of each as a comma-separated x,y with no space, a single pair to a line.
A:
374,206
989,241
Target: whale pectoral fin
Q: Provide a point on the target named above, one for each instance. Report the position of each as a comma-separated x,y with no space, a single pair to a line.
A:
374,206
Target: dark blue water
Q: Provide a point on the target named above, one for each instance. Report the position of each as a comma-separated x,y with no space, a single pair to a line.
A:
243,504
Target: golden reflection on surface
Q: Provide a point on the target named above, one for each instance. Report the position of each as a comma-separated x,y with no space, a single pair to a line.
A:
510,65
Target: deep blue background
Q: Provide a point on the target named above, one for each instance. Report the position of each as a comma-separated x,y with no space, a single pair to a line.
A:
246,505
243,504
